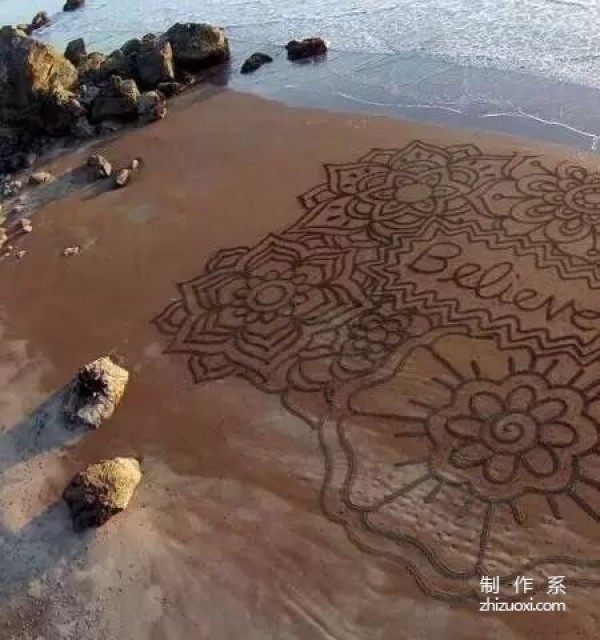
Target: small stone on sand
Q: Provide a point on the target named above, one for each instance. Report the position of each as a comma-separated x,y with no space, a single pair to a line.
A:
41,177
95,393
101,491
99,166
135,164
21,254
25,225
122,178
71,251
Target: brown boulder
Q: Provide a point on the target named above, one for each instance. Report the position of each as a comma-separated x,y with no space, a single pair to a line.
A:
94,394
76,51
104,489
154,62
307,48
152,106
118,99
92,68
197,45
33,75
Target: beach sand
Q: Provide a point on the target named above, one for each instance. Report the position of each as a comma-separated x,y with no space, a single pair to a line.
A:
278,498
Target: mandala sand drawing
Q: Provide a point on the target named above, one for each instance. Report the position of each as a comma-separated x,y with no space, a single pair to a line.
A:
434,315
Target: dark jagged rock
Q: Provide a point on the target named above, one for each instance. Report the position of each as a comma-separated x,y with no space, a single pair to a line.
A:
170,88
40,20
60,111
106,127
119,64
152,106
154,62
72,5
92,68
35,84
82,129
76,51
101,491
131,47
307,48
197,45
118,99
255,62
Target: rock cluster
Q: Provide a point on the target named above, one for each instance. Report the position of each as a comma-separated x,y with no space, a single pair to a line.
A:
45,95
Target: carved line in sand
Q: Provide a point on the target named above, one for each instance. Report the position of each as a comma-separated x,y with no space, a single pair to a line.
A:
456,397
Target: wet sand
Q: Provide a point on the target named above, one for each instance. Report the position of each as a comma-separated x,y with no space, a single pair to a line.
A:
263,512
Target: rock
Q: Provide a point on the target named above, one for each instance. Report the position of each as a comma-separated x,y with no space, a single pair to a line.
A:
108,127
72,5
99,167
104,489
120,64
118,99
131,47
40,20
93,68
255,62
95,393
152,106
3,237
9,141
197,45
154,62
41,177
135,164
170,88
20,254
68,252
35,83
88,93
76,51
82,128
307,48
24,225
122,178
60,112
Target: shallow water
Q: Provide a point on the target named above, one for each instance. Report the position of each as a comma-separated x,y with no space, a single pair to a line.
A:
511,65
555,38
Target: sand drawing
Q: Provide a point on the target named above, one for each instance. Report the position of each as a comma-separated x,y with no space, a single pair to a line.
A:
434,316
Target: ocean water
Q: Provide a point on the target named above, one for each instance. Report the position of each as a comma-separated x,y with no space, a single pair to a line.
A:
489,59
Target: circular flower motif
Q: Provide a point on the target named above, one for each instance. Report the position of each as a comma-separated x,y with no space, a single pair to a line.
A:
391,193
565,205
458,455
253,312
508,438
265,296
